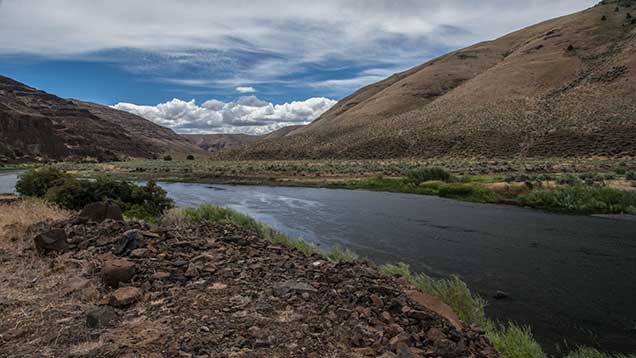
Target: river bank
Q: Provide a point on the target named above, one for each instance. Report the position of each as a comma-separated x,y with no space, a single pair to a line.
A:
579,186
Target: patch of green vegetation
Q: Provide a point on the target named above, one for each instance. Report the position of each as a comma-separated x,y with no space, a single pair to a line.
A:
510,340
139,202
452,291
514,341
583,199
593,353
418,176
216,214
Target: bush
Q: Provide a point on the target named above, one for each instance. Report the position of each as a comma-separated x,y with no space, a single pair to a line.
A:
167,158
38,182
630,176
417,176
141,202
190,157
585,200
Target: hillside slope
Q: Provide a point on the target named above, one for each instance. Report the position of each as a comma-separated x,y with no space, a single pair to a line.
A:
564,87
37,125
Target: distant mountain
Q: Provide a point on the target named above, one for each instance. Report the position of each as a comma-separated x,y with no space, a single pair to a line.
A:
217,142
35,125
564,87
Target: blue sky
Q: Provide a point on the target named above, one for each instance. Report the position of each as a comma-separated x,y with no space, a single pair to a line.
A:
259,65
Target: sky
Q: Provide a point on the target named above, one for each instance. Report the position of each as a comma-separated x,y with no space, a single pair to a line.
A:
240,66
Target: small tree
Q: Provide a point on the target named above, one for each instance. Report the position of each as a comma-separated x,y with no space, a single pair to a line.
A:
190,157
167,158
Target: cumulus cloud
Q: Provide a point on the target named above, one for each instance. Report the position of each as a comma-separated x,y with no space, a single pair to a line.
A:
245,89
246,115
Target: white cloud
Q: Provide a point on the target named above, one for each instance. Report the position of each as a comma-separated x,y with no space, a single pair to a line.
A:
278,37
245,89
246,115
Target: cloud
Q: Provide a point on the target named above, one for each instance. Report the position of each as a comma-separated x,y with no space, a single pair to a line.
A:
230,43
246,115
245,89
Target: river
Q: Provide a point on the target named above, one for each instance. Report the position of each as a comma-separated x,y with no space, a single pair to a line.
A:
571,278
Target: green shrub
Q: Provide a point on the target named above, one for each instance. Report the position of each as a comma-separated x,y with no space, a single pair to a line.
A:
167,158
584,200
417,176
190,157
38,181
141,202
630,176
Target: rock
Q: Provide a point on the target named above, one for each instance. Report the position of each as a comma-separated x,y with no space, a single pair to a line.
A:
101,211
139,253
436,305
500,295
101,317
157,276
52,240
116,271
293,286
376,300
404,351
125,296
129,240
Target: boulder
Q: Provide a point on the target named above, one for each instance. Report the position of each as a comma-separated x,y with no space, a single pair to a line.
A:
292,286
52,240
125,296
101,211
116,271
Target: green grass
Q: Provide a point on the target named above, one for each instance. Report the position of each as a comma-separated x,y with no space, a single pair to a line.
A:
514,341
510,340
208,214
583,200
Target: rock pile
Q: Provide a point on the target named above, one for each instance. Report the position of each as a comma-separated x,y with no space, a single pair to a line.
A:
221,291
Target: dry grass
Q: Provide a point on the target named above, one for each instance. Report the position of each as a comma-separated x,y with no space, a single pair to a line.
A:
16,217
38,290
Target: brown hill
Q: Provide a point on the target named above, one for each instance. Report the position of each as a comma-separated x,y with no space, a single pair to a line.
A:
216,142
564,87
37,125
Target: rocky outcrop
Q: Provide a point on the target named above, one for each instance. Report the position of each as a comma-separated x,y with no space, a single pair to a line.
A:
35,125
219,291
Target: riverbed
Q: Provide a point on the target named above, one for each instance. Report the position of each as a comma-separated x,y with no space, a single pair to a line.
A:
571,278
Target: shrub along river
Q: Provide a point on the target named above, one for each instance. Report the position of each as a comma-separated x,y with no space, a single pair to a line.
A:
571,278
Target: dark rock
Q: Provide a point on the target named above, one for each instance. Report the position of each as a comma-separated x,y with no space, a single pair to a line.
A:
117,271
101,317
129,241
500,295
293,286
52,240
101,211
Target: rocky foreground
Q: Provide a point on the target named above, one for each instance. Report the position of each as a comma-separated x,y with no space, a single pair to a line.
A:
79,287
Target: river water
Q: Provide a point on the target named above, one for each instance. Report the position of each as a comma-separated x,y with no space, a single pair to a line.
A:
572,278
